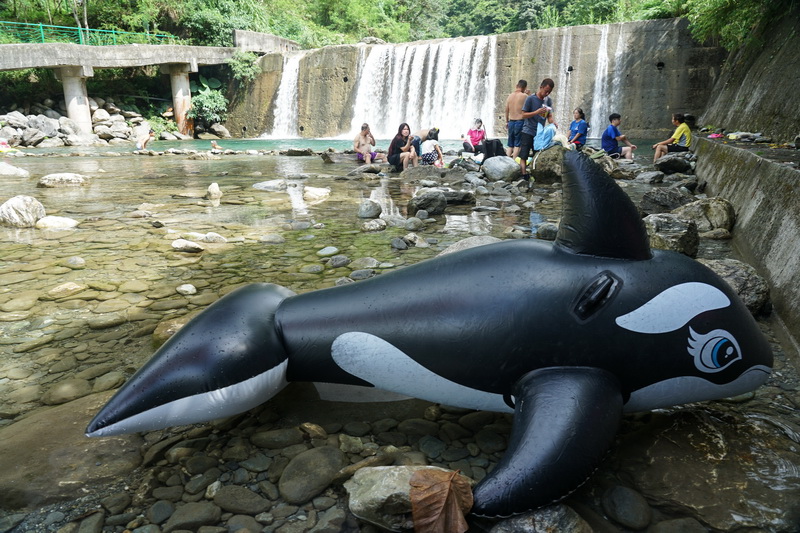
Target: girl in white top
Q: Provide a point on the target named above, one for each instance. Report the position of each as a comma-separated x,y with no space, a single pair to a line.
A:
431,150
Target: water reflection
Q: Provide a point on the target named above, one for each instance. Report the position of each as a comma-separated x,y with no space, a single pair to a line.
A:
472,223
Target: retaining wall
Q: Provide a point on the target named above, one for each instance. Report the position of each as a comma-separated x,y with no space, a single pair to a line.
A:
766,196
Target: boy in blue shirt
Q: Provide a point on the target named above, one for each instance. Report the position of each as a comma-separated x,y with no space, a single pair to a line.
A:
612,136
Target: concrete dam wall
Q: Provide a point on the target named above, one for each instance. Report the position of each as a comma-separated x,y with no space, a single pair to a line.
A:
643,70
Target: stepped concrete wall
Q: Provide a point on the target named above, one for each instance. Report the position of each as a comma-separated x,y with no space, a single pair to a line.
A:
766,196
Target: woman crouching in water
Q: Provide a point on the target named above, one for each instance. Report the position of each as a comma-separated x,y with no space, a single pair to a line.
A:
400,150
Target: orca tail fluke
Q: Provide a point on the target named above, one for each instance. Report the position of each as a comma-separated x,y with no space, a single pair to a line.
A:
564,422
228,359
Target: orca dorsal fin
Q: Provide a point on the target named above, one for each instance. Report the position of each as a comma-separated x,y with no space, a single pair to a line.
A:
597,217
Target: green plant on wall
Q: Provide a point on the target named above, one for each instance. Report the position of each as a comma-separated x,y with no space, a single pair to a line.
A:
244,66
208,104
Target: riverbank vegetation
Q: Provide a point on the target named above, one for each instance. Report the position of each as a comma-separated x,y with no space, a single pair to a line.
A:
314,23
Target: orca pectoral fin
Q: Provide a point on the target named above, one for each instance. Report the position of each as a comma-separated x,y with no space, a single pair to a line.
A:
565,421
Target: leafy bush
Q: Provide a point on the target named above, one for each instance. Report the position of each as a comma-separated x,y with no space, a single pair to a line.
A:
208,105
244,66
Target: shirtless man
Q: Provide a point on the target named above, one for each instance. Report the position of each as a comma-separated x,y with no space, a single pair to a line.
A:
363,146
514,120
420,137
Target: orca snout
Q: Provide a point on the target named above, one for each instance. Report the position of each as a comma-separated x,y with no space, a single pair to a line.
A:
228,359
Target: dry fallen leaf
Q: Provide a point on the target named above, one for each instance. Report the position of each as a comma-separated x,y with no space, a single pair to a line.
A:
439,501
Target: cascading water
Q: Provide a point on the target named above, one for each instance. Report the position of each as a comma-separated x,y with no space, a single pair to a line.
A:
286,109
444,84
607,93
598,116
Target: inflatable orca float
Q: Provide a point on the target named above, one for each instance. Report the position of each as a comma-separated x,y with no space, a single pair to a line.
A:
568,336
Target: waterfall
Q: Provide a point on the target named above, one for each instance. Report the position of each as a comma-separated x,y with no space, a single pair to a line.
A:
446,84
284,125
598,116
607,96
562,111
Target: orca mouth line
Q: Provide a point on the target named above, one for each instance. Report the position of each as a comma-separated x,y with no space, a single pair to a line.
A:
219,403
688,389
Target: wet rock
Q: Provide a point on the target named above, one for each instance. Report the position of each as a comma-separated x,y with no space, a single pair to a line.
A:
21,211
501,168
62,179
627,507
12,171
377,224
369,209
56,223
670,232
546,231
671,163
310,473
434,202
213,192
241,500
560,518
549,165
182,245
66,391
661,200
652,177
709,214
745,281
27,479
315,194
192,516
278,185
277,438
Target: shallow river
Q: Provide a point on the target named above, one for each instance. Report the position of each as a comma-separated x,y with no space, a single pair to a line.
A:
126,273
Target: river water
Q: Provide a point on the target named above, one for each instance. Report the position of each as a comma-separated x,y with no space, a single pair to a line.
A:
79,306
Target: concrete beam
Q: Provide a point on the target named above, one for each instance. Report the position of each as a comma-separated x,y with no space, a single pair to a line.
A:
54,55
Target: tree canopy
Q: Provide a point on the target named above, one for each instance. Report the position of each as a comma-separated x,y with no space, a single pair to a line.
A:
315,23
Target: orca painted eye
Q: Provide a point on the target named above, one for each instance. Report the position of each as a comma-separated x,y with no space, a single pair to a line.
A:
714,351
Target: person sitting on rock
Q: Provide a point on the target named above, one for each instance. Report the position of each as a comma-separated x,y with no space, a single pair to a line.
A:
431,150
680,141
475,137
363,146
401,152
612,136
545,134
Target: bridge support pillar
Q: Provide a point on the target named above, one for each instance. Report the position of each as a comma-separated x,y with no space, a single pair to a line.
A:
73,79
181,93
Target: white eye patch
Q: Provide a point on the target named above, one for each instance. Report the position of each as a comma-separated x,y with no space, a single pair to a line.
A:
674,308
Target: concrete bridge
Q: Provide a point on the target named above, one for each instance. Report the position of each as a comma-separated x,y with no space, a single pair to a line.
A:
74,63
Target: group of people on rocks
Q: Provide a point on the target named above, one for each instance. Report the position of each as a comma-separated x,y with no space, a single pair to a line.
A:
404,149
531,126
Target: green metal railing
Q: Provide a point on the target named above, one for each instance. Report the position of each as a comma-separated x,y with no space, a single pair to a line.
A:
18,32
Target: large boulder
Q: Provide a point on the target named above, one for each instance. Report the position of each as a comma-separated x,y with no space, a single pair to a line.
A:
501,168
709,213
21,212
663,200
48,126
745,281
548,165
434,202
15,119
675,162
670,232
